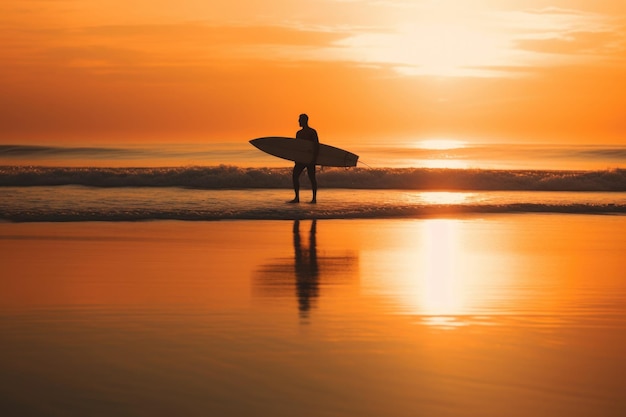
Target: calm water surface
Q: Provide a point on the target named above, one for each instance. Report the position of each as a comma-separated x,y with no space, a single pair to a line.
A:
511,315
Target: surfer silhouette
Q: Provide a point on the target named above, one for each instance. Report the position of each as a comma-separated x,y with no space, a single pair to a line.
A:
306,133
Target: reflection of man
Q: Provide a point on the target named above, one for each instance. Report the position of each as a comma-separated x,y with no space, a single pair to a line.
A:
306,133
307,272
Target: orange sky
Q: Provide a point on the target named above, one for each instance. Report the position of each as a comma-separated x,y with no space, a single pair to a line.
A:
83,71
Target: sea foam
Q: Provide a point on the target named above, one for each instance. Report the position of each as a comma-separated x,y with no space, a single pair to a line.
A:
232,177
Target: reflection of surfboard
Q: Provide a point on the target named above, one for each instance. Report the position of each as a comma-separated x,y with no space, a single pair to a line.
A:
299,150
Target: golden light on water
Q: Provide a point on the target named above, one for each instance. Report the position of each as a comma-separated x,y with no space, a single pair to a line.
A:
439,153
441,275
441,290
439,197
448,273
432,277
445,197
443,163
441,144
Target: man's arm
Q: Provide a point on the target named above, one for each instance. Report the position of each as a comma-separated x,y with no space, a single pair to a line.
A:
316,147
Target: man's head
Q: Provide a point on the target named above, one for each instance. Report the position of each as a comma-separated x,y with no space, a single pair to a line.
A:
303,120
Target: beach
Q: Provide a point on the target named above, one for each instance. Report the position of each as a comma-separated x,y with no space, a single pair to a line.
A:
460,315
455,249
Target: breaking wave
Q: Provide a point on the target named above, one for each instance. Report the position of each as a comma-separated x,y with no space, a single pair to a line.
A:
231,177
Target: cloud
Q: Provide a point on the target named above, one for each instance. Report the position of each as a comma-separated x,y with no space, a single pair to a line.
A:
478,43
440,38
121,47
570,37
197,32
576,43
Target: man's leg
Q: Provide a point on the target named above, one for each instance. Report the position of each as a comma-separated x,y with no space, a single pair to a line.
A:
295,177
311,172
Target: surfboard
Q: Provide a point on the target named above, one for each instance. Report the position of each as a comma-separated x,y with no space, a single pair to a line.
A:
299,150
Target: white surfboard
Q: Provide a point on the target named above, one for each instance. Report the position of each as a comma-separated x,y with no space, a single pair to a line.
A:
299,150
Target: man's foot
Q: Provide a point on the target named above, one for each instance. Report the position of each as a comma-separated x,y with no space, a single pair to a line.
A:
295,200
314,201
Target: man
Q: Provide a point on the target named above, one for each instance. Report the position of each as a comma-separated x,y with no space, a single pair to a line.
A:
306,133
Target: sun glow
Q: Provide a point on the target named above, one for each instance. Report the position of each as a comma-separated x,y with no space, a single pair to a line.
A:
437,39
441,144
447,49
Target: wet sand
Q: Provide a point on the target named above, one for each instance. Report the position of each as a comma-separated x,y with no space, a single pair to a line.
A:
497,315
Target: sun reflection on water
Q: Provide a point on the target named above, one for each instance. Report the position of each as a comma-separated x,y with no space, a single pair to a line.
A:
436,278
442,294
441,197
542,272
442,163
441,144
445,197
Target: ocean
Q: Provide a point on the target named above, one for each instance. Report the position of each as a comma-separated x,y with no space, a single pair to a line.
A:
236,181
175,280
